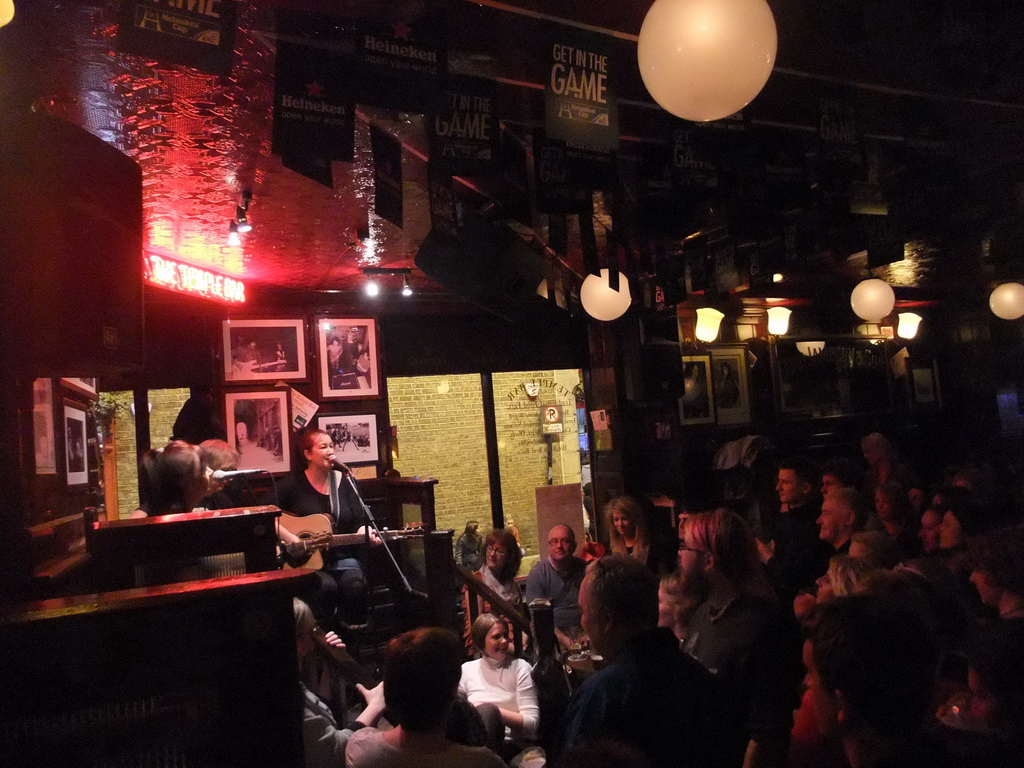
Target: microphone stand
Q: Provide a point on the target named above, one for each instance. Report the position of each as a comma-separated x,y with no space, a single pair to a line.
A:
371,520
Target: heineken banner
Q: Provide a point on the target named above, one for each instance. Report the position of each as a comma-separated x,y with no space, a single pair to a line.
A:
579,98
387,176
313,112
464,131
445,210
199,33
557,191
400,65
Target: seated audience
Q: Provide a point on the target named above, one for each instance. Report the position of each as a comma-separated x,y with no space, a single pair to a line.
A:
649,695
680,594
743,637
870,669
840,473
469,547
630,534
422,669
998,572
499,685
842,514
928,531
844,571
502,558
795,556
172,480
557,578
895,515
884,466
878,548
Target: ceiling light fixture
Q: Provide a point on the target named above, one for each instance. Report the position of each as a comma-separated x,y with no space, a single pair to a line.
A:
706,59
908,324
709,320
1007,301
233,238
778,320
406,288
243,220
6,12
872,299
372,287
373,284
601,301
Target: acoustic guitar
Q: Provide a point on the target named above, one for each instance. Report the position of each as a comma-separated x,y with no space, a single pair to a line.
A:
316,534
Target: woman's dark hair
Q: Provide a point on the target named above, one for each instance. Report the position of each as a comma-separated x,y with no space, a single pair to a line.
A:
471,529
482,627
172,479
504,538
999,554
217,454
305,440
422,669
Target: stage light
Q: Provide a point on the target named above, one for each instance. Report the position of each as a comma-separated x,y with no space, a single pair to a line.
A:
233,238
243,220
406,288
372,287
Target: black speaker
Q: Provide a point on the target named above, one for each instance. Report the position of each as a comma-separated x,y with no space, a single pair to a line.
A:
71,248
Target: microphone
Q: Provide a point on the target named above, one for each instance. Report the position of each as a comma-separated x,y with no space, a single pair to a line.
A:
341,467
231,474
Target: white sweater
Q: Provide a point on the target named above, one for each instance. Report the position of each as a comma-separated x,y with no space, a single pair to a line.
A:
507,685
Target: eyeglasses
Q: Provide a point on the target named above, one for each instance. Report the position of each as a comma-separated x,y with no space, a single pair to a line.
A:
496,550
685,548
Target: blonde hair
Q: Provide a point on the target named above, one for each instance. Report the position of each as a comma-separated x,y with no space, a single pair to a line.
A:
844,572
629,508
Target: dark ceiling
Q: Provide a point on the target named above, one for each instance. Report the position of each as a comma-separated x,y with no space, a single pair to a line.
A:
942,70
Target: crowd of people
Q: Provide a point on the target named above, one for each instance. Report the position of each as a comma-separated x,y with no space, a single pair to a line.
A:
871,622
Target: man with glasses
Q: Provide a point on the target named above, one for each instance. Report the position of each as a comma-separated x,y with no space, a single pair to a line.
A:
557,578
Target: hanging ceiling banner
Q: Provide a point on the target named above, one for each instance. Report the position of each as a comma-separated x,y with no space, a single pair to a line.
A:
316,168
464,130
387,176
198,34
400,65
557,191
445,209
314,115
579,97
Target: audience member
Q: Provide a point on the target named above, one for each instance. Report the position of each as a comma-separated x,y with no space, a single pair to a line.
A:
877,548
870,669
650,695
841,578
557,578
680,594
997,572
172,480
884,466
469,547
795,556
499,685
218,455
502,558
630,534
842,514
742,636
895,515
928,532
840,473
422,669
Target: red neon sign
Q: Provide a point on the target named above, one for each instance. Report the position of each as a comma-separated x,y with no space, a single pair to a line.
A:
194,281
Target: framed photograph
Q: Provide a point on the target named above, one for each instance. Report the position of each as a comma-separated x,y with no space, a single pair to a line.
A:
42,427
85,387
262,350
258,429
729,383
348,358
75,446
354,437
696,406
924,385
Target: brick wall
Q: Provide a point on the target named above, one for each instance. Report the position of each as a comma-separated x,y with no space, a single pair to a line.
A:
440,425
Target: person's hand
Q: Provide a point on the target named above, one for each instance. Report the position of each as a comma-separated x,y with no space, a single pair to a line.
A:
803,605
374,538
765,549
374,704
331,638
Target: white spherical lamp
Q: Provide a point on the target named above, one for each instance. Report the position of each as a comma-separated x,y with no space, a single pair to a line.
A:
872,299
1007,301
810,348
706,59
600,301
6,12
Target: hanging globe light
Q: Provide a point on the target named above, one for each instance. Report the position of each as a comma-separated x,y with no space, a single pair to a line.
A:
706,59
600,301
6,12
810,348
1007,301
872,299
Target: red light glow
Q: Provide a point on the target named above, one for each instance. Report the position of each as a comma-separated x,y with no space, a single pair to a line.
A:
177,276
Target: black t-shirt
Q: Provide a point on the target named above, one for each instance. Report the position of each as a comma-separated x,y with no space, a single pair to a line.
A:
297,497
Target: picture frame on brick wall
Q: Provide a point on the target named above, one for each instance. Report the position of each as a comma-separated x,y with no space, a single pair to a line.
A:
257,425
76,445
348,358
263,350
353,437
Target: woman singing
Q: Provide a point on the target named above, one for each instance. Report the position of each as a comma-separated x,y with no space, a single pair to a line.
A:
319,488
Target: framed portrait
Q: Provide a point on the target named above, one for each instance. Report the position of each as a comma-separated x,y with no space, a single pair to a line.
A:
85,387
257,425
729,384
262,350
75,446
354,437
348,356
696,406
832,377
42,427
924,385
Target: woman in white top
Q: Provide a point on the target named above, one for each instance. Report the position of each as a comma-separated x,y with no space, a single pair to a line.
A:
500,680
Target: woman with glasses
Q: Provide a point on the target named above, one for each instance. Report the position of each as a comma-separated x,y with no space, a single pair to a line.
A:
502,557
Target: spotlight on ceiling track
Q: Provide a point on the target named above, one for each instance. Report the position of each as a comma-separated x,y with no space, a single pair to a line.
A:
374,283
244,225
406,288
233,238
372,287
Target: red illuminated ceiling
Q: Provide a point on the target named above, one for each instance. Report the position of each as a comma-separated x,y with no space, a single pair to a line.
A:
202,139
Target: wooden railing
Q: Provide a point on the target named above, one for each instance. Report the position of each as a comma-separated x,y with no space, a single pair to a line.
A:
480,592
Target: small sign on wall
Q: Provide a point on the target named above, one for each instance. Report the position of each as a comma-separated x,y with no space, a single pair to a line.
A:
551,420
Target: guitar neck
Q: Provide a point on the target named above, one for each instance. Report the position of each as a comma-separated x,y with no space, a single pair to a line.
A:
347,539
